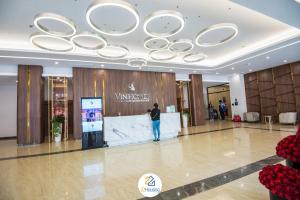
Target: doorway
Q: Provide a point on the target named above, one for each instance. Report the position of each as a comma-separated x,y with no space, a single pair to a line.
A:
183,102
218,93
58,104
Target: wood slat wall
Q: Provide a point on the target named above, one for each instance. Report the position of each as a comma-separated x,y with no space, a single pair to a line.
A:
295,67
29,105
275,90
197,101
91,82
284,89
252,92
267,93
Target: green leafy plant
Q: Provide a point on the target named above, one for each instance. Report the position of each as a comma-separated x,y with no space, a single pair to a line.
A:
56,124
186,113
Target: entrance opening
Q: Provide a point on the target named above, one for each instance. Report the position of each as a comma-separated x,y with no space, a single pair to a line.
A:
219,103
183,102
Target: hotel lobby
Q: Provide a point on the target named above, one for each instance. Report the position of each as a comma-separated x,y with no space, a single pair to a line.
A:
130,99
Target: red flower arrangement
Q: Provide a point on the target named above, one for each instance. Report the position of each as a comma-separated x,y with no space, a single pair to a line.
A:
281,181
289,147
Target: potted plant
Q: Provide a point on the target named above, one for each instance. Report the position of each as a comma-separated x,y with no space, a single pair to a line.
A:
185,119
283,182
289,148
57,122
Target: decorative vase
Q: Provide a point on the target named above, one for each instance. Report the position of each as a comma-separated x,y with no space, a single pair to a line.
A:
292,164
57,138
275,197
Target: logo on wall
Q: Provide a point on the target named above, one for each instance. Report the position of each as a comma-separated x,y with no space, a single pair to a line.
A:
131,87
149,185
132,96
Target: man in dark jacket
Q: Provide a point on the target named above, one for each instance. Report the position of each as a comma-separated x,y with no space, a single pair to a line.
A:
155,117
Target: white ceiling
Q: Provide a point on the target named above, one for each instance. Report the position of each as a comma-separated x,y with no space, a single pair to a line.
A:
259,35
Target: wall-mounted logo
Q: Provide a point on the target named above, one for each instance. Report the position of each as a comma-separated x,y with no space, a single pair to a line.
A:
132,95
149,185
131,87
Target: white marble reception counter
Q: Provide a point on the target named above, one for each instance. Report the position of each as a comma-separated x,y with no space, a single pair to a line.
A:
122,130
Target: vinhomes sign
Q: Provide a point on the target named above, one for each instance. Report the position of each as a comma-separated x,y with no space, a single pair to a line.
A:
132,95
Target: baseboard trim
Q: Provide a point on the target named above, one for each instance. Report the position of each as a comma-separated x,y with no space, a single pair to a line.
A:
8,138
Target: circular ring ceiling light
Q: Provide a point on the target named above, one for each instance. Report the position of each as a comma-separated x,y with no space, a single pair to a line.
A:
99,45
106,52
164,13
168,55
186,42
217,27
150,42
57,18
194,57
117,3
137,62
66,42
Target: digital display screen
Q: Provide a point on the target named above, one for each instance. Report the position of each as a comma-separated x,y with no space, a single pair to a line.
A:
91,114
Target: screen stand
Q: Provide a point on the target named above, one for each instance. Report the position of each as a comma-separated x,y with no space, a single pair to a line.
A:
92,140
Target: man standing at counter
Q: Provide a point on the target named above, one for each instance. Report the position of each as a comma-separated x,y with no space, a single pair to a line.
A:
155,117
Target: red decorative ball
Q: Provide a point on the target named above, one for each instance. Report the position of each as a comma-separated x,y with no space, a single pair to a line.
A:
281,181
289,147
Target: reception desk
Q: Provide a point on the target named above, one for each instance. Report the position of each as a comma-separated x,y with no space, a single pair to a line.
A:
122,130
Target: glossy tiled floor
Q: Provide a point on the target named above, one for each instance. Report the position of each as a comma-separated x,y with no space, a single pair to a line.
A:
112,173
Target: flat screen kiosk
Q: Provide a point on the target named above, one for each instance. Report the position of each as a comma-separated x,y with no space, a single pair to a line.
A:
92,122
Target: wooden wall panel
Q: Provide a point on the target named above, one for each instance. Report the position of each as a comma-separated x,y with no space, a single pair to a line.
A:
29,105
252,92
197,101
278,90
267,93
284,89
105,83
295,67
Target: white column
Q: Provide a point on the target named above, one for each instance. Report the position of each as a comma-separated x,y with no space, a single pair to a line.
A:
237,91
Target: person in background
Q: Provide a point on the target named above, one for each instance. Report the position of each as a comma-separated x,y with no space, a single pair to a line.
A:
211,111
222,109
155,117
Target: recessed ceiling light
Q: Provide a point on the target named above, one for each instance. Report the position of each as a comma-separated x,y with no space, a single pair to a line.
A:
232,68
298,1
216,27
110,3
285,61
195,71
163,13
217,73
102,65
56,62
170,70
268,57
250,70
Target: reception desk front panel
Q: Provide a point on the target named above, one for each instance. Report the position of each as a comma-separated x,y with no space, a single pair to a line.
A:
133,129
